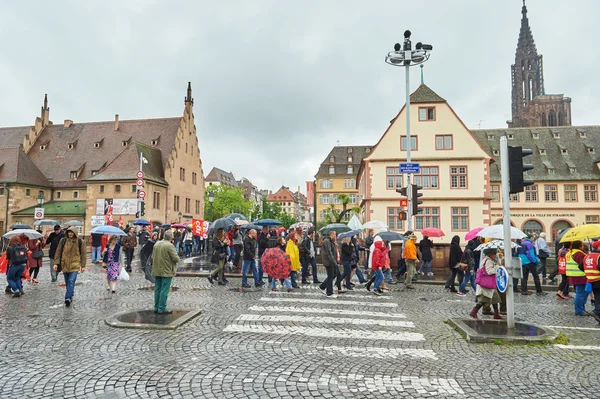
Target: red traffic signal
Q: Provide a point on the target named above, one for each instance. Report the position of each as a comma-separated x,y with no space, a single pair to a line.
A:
404,203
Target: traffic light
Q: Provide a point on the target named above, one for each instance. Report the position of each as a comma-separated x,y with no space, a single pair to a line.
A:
402,215
403,202
142,208
403,191
516,168
415,198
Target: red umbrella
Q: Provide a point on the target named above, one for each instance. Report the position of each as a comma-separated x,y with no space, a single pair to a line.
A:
432,232
473,233
276,263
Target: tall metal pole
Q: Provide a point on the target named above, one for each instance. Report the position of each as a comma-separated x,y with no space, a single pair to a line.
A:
510,304
408,147
139,200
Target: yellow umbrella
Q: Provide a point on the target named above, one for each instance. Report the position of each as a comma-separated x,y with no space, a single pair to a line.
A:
582,232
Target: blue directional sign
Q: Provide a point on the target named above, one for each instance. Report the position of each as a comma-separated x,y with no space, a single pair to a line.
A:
410,168
502,279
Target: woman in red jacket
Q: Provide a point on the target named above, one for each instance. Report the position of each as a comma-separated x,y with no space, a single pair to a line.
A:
378,263
34,260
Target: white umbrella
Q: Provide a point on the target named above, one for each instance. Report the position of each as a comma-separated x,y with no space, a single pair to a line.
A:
497,231
497,244
240,222
28,232
374,224
354,223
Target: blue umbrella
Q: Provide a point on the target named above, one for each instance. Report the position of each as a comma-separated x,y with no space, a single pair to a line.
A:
166,226
268,222
348,234
250,226
108,230
141,222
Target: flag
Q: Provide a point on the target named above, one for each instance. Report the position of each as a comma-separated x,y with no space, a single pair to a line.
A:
120,221
198,227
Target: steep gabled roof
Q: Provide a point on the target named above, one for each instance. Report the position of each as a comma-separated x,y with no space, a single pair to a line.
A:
126,164
424,94
219,175
340,161
13,136
569,149
283,194
16,167
57,161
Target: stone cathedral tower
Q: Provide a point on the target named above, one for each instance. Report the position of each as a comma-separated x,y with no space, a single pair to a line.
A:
531,106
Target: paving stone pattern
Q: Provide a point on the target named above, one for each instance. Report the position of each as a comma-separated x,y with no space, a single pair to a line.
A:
258,344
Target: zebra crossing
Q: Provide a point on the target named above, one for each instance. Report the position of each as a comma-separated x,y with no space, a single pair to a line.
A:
351,316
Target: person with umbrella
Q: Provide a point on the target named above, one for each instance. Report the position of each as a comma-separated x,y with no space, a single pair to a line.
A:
561,260
309,258
220,245
330,256
281,245
96,244
576,274
592,273
112,261
529,260
378,263
425,246
16,255
146,257
129,243
263,244
143,236
455,264
53,239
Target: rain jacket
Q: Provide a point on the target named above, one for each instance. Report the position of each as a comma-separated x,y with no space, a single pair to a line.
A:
292,250
372,248
329,253
70,253
527,252
379,254
164,259
410,250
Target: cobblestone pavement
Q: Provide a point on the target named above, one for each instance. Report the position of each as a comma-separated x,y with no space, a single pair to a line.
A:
259,344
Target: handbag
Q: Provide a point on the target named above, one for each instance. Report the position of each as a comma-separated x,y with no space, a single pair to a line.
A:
485,280
543,254
461,265
37,254
123,275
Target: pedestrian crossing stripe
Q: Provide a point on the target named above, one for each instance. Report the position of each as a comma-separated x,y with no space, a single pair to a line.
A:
326,320
380,353
330,301
300,309
364,296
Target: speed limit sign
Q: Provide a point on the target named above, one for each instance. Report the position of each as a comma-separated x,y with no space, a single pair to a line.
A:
139,174
38,213
141,194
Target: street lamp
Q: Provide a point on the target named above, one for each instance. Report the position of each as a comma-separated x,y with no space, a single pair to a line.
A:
404,55
211,199
40,198
179,215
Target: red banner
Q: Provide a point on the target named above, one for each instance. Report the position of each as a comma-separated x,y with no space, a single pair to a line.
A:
121,221
200,228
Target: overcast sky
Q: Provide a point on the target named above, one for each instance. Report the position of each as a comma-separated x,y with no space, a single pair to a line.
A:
278,83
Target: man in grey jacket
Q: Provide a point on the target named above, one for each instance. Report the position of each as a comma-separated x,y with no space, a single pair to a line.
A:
330,257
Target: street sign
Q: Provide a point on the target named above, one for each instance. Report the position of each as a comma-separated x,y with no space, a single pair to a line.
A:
410,168
141,194
139,174
39,213
97,221
140,182
502,279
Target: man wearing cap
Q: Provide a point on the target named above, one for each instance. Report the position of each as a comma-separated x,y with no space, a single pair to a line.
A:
529,260
591,267
53,240
410,255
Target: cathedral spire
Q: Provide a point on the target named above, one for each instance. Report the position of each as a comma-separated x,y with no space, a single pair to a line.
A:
189,98
526,42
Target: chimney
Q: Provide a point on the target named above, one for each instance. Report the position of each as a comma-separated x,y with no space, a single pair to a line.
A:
116,122
68,123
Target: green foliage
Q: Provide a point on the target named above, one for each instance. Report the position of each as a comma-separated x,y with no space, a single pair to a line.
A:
561,339
333,215
286,220
227,200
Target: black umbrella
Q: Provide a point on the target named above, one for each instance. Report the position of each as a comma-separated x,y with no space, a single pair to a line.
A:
337,227
391,236
223,223
20,226
557,244
251,226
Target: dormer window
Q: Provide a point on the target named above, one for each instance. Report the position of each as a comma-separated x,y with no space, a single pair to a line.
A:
591,150
70,146
556,135
564,151
490,137
349,150
73,175
95,172
331,170
551,171
496,152
349,158
368,150
96,145
572,170
350,169
535,135
510,136
43,147
154,142
332,159
542,151
124,143
582,134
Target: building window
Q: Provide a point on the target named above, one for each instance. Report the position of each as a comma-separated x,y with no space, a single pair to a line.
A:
133,188
460,219
427,217
58,195
101,188
590,193
349,158
564,151
426,113
186,148
324,199
490,137
28,192
336,199
96,145
73,175
556,135
551,171
188,203
392,219
428,178
349,150
592,219
332,170
197,207
154,142
443,142
570,193
393,177
176,203
349,183
124,143
70,146
42,147
581,134
495,153
542,151
2,191
550,193
591,150
326,183
156,200
536,136
194,175
458,177
531,193
572,170
350,169
332,159
75,194
368,150
514,197
495,191
353,198
413,143
510,136
95,172
182,174
117,188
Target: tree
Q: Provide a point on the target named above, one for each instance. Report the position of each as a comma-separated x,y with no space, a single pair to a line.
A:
286,220
334,215
227,200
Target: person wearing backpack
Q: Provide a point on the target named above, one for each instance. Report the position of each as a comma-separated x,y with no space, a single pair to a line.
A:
70,258
16,254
